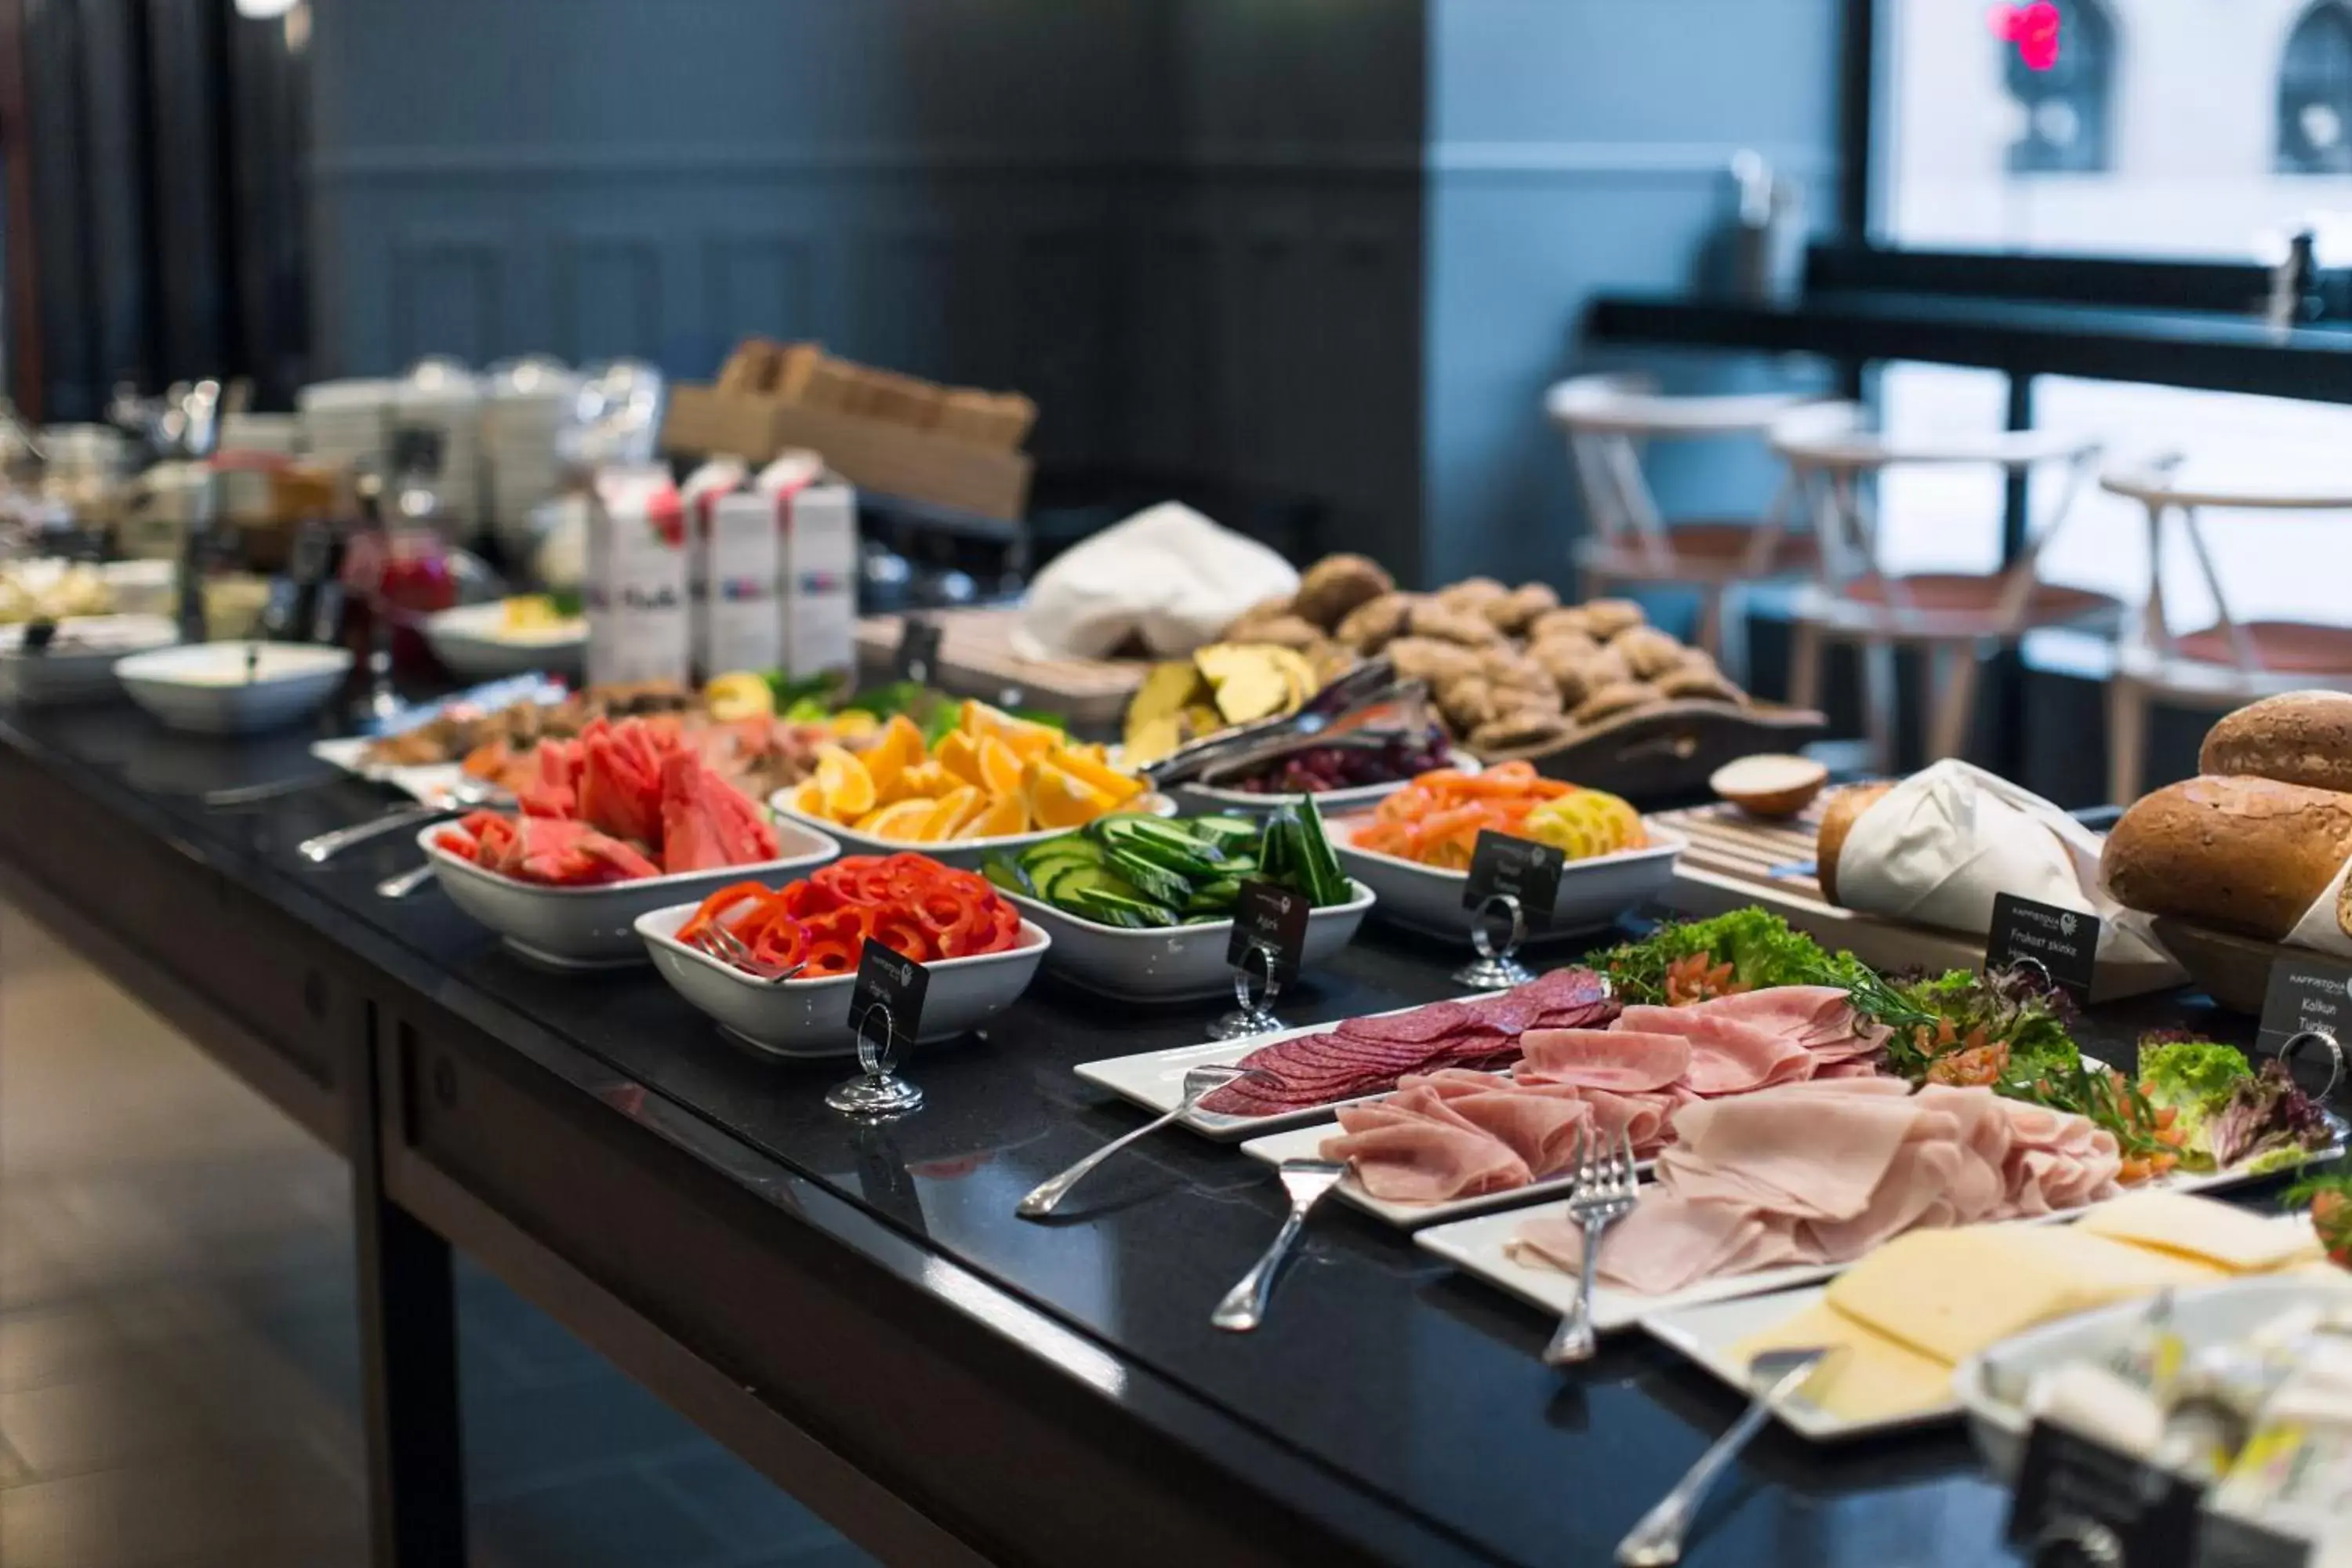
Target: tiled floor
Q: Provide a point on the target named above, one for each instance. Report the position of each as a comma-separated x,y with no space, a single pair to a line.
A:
179,1383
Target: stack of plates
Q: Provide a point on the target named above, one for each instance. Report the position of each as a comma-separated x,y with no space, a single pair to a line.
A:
345,423
523,420
443,397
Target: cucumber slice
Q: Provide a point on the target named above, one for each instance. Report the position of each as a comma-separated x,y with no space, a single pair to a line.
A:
1107,908
1072,848
1069,883
1234,835
1214,899
1275,855
1163,844
1155,882
1325,883
1207,919
1009,877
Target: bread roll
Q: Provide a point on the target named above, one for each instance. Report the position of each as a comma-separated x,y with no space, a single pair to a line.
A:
2245,854
2296,737
1845,808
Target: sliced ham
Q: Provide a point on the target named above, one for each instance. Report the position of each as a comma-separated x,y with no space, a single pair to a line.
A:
1405,1155
1625,1061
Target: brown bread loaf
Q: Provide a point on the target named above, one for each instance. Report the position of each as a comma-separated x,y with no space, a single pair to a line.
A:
1843,809
2298,737
2238,853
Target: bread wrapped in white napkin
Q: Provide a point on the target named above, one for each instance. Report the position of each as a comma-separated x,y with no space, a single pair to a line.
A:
1167,576
1938,847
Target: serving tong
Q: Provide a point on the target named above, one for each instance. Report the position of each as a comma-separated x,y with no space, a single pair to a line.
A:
464,795
1346,705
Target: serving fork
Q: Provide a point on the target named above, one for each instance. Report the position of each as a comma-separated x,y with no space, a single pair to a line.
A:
463,796
1199,1083
1305,1181
1604,1193
732,950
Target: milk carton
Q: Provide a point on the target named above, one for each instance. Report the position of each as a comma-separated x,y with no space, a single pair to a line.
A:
734,571
816,521
636,588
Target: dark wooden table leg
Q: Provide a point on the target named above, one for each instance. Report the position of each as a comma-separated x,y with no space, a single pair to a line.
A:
408,1346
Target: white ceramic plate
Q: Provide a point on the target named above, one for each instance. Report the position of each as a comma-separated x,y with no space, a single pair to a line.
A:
79,664
201,687
1155,1080
810,1018
1476,1247
1706,1336
474,642
429,781
1592,893
595,928
1990,1386
1198,799
964,854
1307,1143
1174,964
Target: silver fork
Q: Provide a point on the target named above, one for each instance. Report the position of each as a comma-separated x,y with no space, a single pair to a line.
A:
1199,1083
729,949
464,795
1305,1181
1605,1193
1657,1540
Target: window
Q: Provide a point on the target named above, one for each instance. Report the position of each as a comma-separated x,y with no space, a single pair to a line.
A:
2056,58
2314,95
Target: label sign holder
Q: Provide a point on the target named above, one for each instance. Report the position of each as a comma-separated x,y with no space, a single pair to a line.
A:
1270,934
917,655
2078,1500
1512,884
2061,944
2307,1007
888,993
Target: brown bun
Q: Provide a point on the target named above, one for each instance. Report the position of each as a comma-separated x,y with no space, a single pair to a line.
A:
2296,737
2244,855
1838,816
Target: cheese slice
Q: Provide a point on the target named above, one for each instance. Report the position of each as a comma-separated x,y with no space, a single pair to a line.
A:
2180,1223
1870,1377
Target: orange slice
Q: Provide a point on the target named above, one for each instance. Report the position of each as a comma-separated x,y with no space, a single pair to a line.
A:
951,813
1004,815
1028,739
1086,764
924,781
843,781
808,799
854,724
960,754
899,748
999,769
1059,799
902,821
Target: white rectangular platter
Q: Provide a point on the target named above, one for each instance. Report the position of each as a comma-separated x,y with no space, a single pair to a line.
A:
428,783
1305,1144
1706,1334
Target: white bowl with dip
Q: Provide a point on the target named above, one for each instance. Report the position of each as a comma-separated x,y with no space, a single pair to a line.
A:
233,688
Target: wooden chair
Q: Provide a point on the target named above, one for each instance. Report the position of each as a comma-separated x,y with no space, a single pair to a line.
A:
1949,617
1606,419
2228,663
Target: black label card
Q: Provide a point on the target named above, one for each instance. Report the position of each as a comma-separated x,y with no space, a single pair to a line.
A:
917,658
2307,991
2063,941
416,451
1272,918
887,979
2109,1507
1522,867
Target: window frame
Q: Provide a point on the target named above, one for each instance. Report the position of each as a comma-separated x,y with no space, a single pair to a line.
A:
1856,258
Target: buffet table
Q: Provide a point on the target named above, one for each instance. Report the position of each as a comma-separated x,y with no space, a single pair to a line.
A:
856,1309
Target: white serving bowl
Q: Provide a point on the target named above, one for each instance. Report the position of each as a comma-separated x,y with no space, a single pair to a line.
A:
810,1018
1174,964
1592,893
964,854
78,665
1202,799
595,928
474,642
202,686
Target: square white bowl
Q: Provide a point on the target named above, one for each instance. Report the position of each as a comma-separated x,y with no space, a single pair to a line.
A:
809,1019
1174,964
964,854
474,642
201,687
1592,893
78,666
595,928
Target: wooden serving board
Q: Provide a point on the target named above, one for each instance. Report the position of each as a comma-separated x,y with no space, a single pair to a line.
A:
976,660
1734,860
1663,754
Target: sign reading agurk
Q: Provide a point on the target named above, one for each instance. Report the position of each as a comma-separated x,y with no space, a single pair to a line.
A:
887,978
2063,941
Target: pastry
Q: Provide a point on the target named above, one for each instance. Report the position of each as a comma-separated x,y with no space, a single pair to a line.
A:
1374,624
1337,584
1431,662
1647,651
1447,622
1516,611
1604,618
1613,701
